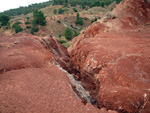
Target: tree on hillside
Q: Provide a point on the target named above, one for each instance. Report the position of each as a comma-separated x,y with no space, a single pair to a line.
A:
17,27
66,1
68,33
26,9
55,11
39,17
34,26
102,4
79,19
60,11
4,20
58,2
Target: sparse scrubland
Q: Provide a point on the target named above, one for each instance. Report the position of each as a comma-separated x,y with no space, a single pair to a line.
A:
55,17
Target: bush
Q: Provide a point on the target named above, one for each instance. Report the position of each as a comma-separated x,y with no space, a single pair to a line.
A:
28,27
68,33
76,33
83,7
27,22
62,41
73,5
59,35
58,21
32,32
17,27
27,18
35,29
60,11
66,45
34,26
55,11
94,20
18,23
65,5
39,18
4,20
75,10
79,19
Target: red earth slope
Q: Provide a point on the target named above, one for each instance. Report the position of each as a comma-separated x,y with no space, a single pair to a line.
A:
30,81
114,64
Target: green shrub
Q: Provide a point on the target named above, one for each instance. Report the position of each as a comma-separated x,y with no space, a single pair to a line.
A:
39,18
83,7
32,32
73,5
55,11
60,11
28,27
17,23
34,26
4,19
35,29
27,18
76,33
75,10
27,22
68,33
79,19
59,35
17,27
94,20
62,41
66,45
65,5
58,21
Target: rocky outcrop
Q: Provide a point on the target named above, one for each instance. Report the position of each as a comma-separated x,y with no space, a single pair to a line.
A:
27,51
115,69
133,13
33,79
114,65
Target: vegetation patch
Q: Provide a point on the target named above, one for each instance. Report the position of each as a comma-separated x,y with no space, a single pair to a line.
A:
17,27
68,33
4,20
58,21
79,19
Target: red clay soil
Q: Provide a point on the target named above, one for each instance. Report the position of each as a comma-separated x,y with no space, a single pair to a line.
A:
115,65
133,12
30,82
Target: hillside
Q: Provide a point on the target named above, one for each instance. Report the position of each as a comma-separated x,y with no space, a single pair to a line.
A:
25,10
55,28
106,69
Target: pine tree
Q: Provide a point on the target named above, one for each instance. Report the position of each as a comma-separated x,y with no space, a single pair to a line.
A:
68,33
4,20
39,17
79,19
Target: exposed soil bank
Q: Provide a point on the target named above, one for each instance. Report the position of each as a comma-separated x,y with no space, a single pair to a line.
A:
30,82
